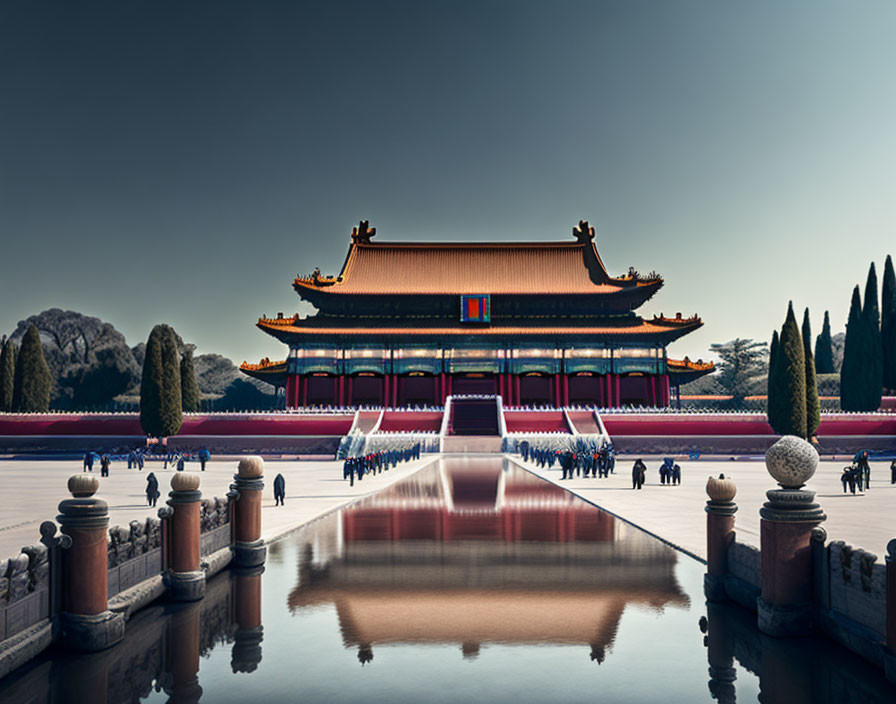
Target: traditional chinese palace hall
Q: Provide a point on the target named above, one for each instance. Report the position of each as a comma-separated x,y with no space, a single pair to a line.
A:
538,323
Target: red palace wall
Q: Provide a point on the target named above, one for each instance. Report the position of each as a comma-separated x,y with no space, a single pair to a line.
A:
129,424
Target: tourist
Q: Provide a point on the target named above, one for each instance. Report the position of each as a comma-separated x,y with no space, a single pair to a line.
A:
893,472
676,474
848,478
152,489
88,462
204,456
860,460
132,459
105,461
279,490
639,470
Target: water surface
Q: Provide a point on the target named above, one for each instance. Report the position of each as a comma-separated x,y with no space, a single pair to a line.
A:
472,580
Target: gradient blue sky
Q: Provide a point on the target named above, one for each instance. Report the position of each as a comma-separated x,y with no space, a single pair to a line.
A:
180,162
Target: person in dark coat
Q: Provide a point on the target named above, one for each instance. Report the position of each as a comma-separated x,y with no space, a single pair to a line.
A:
105,461
204,456
639,469
676,474
88,462
893,472
279,490
152,489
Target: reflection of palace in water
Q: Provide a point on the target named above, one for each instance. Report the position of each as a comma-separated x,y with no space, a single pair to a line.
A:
480,551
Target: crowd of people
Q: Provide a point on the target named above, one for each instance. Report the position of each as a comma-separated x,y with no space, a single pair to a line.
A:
584,460
136,459
857,476
378,462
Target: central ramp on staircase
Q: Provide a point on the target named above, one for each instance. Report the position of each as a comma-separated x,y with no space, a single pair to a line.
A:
473,424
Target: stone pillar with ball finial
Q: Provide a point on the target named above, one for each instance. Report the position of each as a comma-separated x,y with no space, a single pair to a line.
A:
245,495
184,578
85,620
720,510
788,518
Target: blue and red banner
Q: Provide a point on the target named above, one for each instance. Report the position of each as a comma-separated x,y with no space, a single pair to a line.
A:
475,309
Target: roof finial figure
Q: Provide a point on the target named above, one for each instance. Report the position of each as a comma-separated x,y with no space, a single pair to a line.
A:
583,233
363,232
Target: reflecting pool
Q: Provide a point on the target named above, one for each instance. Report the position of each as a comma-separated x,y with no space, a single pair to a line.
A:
471,580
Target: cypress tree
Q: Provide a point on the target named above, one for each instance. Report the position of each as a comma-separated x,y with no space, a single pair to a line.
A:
772,398
189,387
813,406
7,375
151,385
888,325
850,381
160,392
824,349
172,410
791,370
873,367
32,380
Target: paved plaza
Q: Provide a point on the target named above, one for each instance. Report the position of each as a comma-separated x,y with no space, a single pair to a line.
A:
32,490
675,513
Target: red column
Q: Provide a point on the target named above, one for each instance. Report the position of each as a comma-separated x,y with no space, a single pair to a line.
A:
556,395
450,384
387,383
443,390
341,389
666,393
291,391
565,389
652,390
350,396
516,390
395,389
618,396
501,386
303,382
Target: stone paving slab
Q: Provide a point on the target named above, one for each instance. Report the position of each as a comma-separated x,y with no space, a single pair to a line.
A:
675,513
30,492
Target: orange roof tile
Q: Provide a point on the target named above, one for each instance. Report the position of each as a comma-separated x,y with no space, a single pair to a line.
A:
474,268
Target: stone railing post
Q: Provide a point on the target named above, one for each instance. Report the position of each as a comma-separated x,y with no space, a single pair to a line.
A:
248,547
246,653
184,578
85,620
890,656
720,510
785,605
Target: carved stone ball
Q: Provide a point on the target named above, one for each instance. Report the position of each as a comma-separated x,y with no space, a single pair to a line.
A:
721,490
251,467
183,481
83,485
791,461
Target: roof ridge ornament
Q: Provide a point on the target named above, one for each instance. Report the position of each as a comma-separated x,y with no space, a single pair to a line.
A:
363,233
583,233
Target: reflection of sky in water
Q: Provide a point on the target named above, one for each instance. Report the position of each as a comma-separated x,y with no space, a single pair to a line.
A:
468,582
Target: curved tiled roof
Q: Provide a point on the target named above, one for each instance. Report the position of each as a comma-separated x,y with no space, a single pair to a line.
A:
421,268
294,325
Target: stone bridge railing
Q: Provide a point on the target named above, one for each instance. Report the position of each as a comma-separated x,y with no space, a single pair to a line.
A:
79,587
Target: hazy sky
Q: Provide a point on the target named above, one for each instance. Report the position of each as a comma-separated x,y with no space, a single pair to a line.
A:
182,161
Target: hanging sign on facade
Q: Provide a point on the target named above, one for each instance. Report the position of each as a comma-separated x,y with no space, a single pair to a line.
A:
475,309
